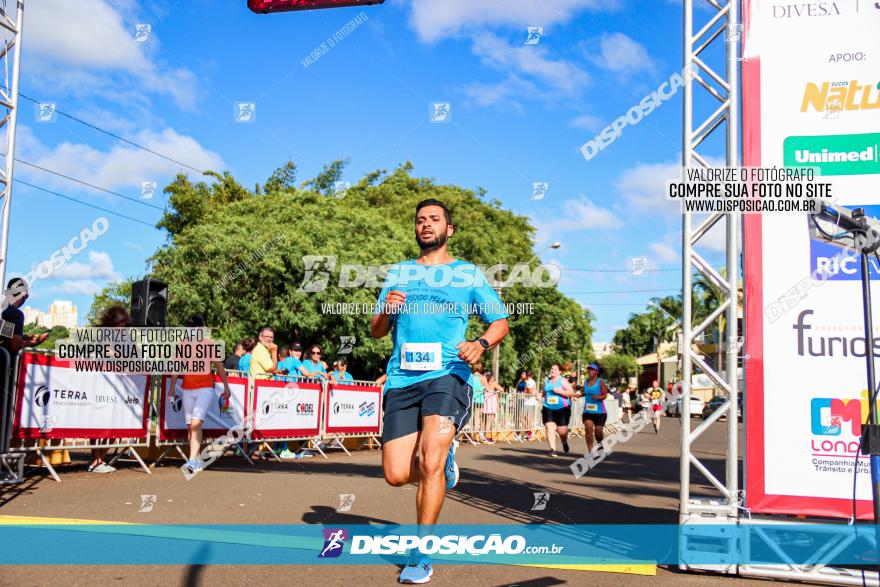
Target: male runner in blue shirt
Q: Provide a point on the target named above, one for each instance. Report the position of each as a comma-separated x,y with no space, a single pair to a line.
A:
425,305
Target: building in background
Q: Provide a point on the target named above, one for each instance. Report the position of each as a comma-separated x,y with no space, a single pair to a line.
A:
61,313
35,316
602,349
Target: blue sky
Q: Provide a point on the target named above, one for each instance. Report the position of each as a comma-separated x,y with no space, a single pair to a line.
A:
519,113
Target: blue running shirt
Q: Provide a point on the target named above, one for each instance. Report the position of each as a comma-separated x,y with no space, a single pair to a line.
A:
244,364
439,299
292,364
553,400
591,404
312,367
340,376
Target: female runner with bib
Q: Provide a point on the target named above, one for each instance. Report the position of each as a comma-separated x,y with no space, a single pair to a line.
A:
595,414
556,412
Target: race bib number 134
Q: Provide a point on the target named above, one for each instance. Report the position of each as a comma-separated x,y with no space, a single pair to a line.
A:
421,356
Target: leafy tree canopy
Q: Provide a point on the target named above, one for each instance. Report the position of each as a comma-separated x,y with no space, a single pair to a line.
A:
237,258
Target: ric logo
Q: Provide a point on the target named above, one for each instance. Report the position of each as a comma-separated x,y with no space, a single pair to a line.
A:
832,416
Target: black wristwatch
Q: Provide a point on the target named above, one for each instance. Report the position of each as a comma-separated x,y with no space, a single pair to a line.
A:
483,343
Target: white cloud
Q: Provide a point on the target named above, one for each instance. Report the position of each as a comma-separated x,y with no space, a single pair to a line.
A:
583,214
579,214
433,20
83,34
535,61
587,122
88,46
620,54
644,185
120,165
715,240
663,252
85,287
99,266
505,94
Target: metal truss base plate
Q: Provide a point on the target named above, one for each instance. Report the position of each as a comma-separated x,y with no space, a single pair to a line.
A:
699,544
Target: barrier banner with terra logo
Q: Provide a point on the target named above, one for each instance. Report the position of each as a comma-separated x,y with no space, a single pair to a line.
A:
286,410
172,414
811,98
56,401
353,409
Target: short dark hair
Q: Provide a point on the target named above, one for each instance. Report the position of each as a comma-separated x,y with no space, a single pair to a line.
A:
195,321
435,202
248,344
15,282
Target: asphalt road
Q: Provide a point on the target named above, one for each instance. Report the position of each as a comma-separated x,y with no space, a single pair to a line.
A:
636,484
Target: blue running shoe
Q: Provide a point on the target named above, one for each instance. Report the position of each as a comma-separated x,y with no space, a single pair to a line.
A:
418,573
451,466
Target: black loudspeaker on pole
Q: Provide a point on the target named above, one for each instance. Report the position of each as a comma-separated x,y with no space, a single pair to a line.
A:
149,302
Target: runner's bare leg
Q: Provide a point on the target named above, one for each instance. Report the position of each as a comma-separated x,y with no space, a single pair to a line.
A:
433,449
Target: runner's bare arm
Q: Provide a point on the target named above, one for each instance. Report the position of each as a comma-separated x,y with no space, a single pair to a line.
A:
380,324
604,389
567,389
222,372
473,351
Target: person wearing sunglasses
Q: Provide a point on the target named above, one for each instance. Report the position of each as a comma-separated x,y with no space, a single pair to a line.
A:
314,366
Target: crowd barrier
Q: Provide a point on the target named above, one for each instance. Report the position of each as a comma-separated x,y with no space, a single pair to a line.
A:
56,407
517,416
50,406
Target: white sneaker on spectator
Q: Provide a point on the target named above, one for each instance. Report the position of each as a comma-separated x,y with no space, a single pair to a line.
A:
101,468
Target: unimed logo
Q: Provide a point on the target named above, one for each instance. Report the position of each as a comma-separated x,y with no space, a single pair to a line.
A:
834,154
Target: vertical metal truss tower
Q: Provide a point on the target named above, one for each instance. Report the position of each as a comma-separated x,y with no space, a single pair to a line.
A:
11,17
718,94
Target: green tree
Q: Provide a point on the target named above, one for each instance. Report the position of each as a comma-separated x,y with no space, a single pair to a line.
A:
114,293
240,260
618,368
55,333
